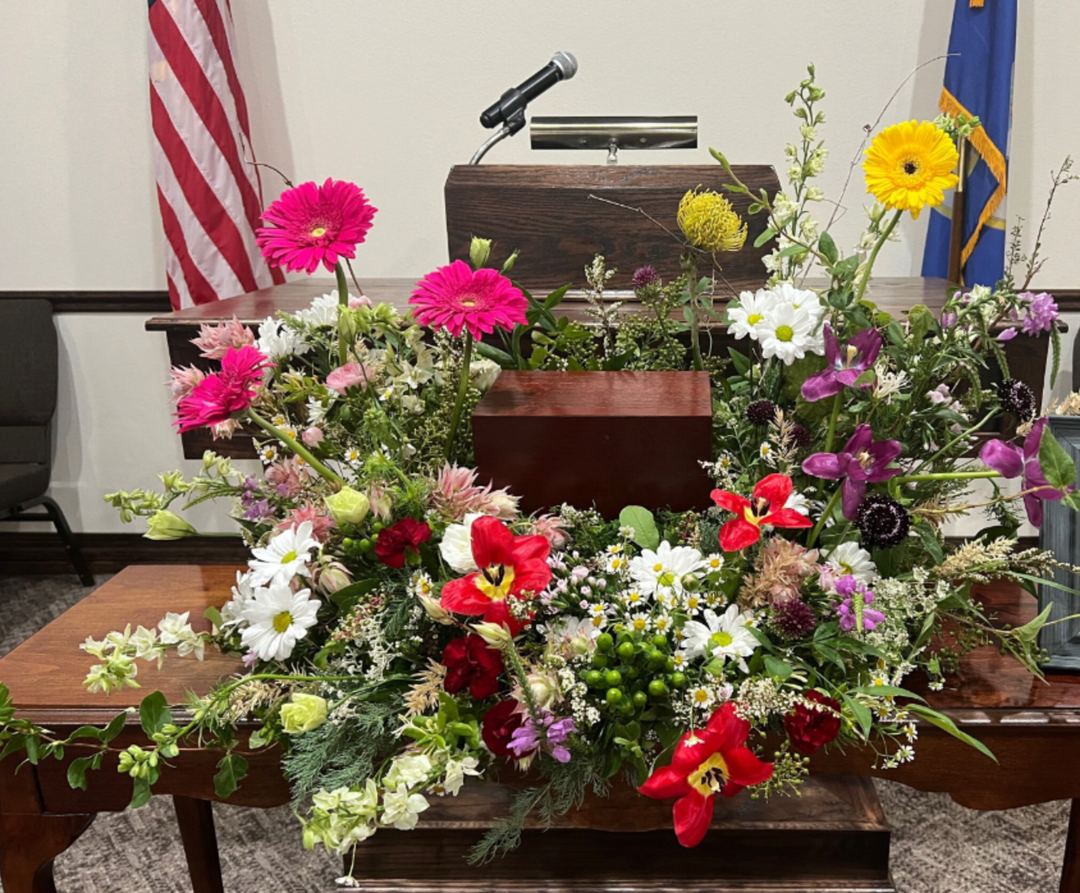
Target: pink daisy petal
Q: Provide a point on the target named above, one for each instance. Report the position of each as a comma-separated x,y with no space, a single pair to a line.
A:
456,297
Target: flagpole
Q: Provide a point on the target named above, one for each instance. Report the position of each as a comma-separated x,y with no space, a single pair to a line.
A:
956,233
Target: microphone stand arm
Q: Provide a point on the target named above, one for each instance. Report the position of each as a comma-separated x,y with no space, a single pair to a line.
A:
513,124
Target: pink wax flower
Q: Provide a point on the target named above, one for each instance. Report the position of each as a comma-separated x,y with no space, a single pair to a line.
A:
182,380
321,522
215,341
349,375
313,224
456,297
355,303
552,528
217,397
312,436
457,494
287,476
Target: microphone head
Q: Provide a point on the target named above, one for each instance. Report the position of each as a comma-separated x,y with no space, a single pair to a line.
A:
566,63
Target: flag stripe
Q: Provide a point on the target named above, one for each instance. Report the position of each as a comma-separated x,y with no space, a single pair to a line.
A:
208,191
207,210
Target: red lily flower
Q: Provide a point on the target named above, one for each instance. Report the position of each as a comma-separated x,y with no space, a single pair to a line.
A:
707,762
765,507
509,566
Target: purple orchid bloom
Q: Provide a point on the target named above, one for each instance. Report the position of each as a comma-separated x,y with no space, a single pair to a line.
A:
1010,461
842,369
860,462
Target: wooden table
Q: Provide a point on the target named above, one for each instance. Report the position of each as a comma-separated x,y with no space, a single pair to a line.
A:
1033,728
895,295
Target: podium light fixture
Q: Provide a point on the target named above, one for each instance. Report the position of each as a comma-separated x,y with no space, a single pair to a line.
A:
614,133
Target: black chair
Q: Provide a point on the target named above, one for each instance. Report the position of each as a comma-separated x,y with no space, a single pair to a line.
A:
28,376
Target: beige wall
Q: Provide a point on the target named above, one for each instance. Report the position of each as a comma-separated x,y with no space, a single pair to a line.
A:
387,94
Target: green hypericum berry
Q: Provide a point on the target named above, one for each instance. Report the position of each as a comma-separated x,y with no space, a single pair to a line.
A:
632,673
600,660
613,677
660,641
377,526
678,680
366,545
605,642
614,696
657,658
347,543
594,678
626,651
639,699
657,688
669,664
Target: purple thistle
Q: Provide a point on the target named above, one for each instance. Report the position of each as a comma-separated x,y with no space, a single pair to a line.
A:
644,277
842,369
861,461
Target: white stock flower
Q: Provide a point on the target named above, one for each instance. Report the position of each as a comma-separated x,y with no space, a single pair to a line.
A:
482,373
409,771
665,567
175,630
283,557
456,770
401,809
849,558
788,333
721,636
323,310
278,618
456,545
232,612
278,342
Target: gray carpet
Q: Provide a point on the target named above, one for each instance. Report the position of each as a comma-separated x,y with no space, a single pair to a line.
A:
938,847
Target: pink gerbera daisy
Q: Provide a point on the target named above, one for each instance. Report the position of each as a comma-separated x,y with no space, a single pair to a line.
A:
217,397
315,224
456,297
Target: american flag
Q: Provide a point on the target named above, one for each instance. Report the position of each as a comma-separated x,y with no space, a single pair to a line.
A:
208,190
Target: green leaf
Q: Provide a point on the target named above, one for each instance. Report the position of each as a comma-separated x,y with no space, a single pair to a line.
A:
1057,465
214,616
231,771
777,667
890,691
114,728
825,653
86,732
861,713
555,298
919,321
349,595
740,361
641,519
140,794
76,772
259,738
1030,630
947,725
828,247
489,352
930,541
154,713
791,251
767,234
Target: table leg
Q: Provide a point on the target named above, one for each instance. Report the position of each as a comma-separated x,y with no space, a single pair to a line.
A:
28,845
196,820
1070,870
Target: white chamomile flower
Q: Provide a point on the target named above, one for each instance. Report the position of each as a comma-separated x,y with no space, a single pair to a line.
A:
766,451
598,616
721,636
617,564
701,698
323,310
639,622
626,532
788,333
692,602
268,454
633,599
456,545
278,342
714,563
277,619
317,410
849,558
354,457
284,556
662,624
744,318
666,567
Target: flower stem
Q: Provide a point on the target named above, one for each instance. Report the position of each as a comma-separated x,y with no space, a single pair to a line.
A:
959,437
882,239
838,401
947,476
825,515
690,265
463,390
343,301
298,449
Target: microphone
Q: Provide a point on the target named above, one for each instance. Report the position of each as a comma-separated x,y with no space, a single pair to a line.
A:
562,67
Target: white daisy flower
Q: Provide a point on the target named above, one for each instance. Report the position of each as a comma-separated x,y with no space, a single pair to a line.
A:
665,567
268,454
277,619
849,558
799,503
692,602
786,293
662,624
765,451
278,342
788,333
317,410
354,457
744,319
721,636
701,698
281,558
598,616
616,564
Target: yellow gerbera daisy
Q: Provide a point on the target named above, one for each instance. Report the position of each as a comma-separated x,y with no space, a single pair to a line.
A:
708,221
910,165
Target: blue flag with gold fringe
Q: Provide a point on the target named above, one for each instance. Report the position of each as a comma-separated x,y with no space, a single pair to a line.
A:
978,81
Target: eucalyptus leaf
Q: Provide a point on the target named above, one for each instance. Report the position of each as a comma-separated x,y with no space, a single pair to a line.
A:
641,520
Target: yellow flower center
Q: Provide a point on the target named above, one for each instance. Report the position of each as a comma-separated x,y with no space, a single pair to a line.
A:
666,578
720,639
784,333
753,319
318,232
468,301
701,696
910,167
287,557
283,621
495,581
639,624
710,777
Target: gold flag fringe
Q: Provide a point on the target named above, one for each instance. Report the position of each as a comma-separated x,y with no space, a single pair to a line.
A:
990,153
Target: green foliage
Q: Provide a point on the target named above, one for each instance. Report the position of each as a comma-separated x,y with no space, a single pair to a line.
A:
644,525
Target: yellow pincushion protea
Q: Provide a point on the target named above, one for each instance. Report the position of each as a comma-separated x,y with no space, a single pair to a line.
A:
708,221
910,165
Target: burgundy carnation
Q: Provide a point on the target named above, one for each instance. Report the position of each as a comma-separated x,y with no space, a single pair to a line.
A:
498,725
406,534
810,728
471,664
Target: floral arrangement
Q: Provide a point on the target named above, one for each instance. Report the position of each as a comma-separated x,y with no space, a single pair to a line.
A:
403,626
